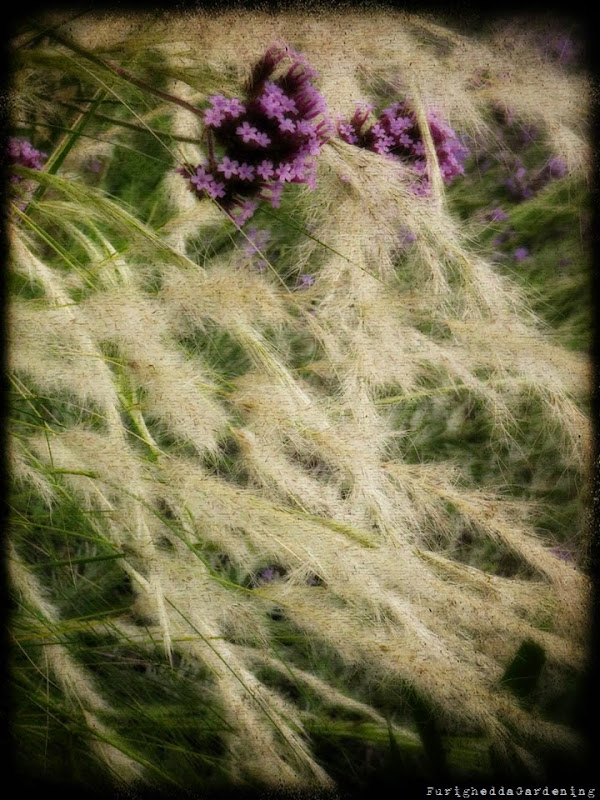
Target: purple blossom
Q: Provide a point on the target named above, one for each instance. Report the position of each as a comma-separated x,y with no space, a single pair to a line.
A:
528,134
311,148
213,118
234,108
408,237
265,170
202,179
306,128
503,237
347,132
216,189
253,246
244,212
267,575
22,153
396,135
285,172
245,143
228,167
522,185
305,282
247,132
246,172
556,167
520,254
421,189
497,215
256,243
275,192
558,46
218,101
287,104
257,240
518,185
311,179
286,126
262,139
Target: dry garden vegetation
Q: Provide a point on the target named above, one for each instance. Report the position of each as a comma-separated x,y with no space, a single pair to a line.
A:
299,381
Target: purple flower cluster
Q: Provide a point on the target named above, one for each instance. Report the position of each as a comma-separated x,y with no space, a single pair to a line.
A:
518,185
520,132
522,185
270,139
559,47
255,245
396,135
22,153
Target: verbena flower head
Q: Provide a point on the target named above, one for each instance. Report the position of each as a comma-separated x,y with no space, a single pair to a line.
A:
396,135
22,153
271,138
522,184
518,184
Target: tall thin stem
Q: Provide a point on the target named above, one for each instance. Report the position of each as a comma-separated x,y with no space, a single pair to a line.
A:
124,74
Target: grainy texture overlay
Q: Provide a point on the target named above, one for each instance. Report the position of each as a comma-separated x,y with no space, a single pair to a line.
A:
299,436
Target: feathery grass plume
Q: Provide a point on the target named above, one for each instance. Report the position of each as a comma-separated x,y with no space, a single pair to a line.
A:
137,327
313,481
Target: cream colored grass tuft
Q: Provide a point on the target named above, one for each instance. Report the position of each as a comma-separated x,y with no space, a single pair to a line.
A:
202,480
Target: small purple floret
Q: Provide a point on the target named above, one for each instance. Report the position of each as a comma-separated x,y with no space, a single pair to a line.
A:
497,215
521,253
228,167
305,282
556,167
